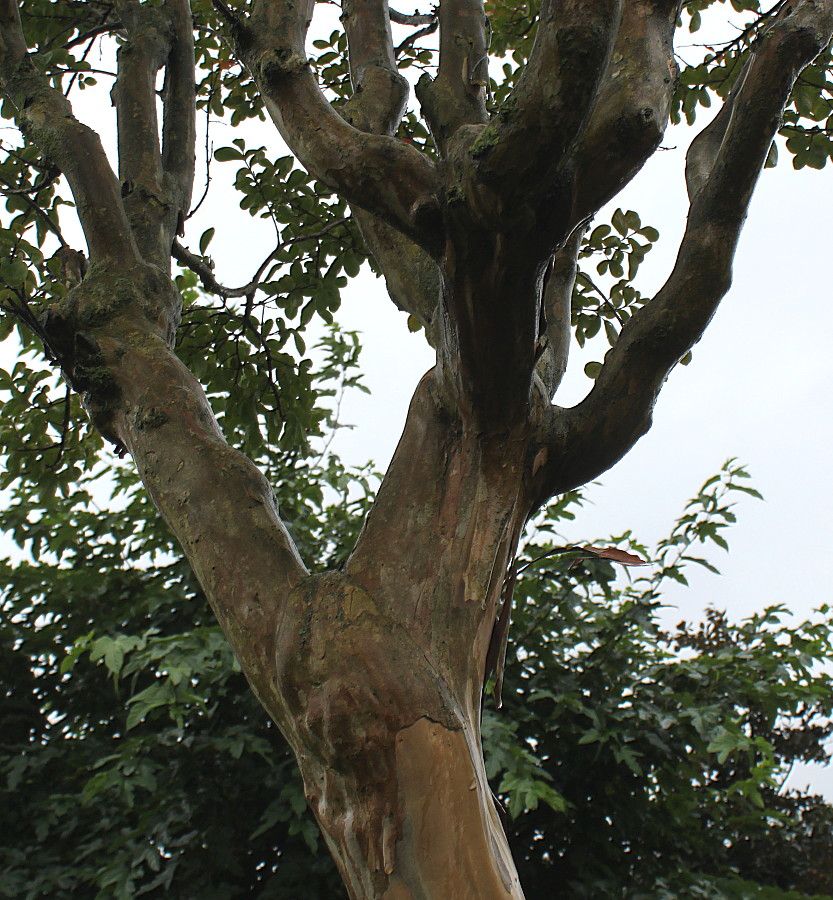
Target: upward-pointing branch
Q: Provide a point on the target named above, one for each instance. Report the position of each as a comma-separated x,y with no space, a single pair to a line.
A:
387,177
379,91
156,181
724,163
377,104
140,58
631,112
113,336
179,120
458,94
45,116
549,108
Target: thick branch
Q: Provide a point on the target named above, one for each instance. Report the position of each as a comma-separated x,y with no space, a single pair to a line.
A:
218,504
458,94
112,335
134,95
156,182
589,438
416,19
179,123
381,174
554,340
522,150
377,105
380,93
45,117
631,113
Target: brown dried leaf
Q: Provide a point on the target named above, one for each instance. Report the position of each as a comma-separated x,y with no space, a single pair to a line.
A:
614,554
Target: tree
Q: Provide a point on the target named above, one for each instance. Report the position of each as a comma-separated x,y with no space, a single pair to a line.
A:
374,670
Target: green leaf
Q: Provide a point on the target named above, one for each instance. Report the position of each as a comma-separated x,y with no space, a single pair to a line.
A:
228,154
205,239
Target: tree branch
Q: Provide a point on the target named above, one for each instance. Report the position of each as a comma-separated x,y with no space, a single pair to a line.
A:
113,334
521,151
27,197
380,93
415,19
724,164
203,269
134,94
179,120
45,116
458,94
412,38
631,113
387,177
219,506
556,335
156,181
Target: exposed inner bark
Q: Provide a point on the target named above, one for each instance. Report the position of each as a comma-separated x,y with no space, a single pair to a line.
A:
375,674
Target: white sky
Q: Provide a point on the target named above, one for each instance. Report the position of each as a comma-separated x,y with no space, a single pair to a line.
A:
757,389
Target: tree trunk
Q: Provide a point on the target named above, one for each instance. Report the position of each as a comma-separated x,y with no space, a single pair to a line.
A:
381,667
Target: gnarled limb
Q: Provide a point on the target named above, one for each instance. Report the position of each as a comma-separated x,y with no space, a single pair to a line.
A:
457,96
520,152
724,164
631,113
134,95
113,336
219,505
378,173
179,124
156,181
380,93
416,19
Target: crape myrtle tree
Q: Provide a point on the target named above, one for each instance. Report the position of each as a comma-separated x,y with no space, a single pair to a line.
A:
374,669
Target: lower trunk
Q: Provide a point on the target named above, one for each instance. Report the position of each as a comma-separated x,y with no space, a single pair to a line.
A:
380,669
441,837
390,757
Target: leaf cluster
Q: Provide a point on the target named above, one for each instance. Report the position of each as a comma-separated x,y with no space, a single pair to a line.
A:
661,754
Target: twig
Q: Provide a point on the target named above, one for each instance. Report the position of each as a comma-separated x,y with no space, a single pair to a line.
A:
64,428
225,12
603,296
200,267
38,209
416,19
413,38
